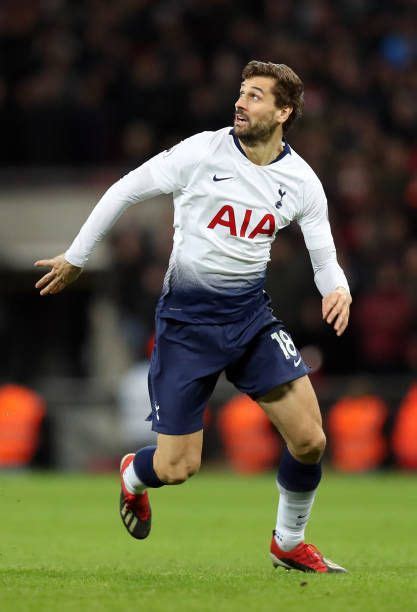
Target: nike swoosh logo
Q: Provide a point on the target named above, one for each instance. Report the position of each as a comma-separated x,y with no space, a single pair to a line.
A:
226,178
297,363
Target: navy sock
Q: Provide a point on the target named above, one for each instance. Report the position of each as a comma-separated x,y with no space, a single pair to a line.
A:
296,476
143,465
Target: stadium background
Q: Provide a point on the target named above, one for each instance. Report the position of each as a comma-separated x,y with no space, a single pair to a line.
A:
88,91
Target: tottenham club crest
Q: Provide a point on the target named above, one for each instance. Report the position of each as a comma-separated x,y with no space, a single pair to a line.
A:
281,194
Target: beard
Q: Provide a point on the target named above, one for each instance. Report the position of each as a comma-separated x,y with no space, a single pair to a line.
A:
252,135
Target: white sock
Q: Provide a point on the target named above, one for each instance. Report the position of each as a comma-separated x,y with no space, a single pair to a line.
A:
294,509
132,483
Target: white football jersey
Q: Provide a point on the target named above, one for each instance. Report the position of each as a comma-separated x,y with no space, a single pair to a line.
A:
228,211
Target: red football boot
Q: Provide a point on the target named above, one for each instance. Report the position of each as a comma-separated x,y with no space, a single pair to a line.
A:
135,510
304,557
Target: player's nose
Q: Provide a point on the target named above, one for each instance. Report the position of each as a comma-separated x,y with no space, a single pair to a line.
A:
240,104
239,108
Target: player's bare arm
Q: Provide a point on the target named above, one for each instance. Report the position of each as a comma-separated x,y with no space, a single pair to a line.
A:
335,309
61,274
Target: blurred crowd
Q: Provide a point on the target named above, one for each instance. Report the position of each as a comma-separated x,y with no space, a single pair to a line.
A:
93,82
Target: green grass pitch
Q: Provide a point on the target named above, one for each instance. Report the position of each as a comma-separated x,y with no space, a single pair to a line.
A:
63,547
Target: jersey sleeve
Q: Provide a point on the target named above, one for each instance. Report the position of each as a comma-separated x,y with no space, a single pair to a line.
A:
328,275
164,173
135,187
314,222
313,218
173,168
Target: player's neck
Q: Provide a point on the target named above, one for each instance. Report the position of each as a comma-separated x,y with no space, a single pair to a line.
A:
264,153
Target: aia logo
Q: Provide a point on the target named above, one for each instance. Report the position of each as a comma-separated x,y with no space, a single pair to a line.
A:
281,194
226,217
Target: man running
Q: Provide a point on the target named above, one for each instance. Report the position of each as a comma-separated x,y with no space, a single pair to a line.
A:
233,190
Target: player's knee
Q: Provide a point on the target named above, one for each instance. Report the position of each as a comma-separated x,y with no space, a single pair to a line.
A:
172,473
192,465
177,472
310,448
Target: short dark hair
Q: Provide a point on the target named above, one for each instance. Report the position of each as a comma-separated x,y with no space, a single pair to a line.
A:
288,89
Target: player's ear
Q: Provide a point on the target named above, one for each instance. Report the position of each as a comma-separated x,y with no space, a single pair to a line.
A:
283,113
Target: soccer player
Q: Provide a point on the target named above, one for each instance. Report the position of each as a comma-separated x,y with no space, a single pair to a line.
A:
233,190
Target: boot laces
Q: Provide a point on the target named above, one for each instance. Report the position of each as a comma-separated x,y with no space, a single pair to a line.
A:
139,505
309,551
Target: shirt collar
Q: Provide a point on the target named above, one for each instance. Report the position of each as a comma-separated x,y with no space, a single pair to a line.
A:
286,150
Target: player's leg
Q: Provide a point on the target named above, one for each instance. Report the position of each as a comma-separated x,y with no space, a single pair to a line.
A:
294,410
172,461
181,379
273,373
178,457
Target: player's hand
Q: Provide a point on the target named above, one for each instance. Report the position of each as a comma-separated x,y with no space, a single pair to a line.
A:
62,273
335,308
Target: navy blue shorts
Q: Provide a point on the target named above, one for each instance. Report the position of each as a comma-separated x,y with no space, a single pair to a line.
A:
256,353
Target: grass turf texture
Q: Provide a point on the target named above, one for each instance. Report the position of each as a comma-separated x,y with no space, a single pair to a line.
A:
63,546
